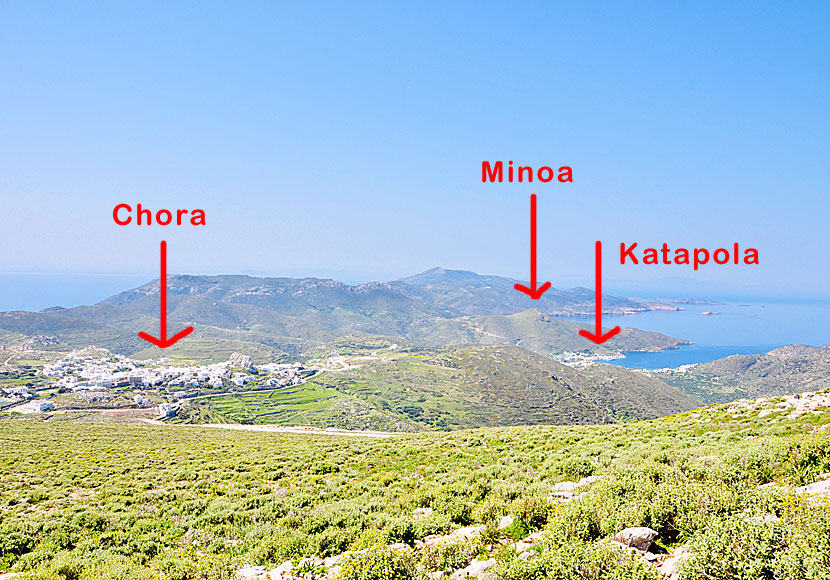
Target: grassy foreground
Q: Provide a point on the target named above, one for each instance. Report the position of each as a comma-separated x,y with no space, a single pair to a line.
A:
129,501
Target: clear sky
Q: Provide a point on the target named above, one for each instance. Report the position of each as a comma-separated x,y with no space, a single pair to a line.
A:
348,137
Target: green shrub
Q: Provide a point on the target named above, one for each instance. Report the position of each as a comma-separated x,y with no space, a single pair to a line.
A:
809,458
532,510
579,561
378,562
577,467
450,556
733,549
15,540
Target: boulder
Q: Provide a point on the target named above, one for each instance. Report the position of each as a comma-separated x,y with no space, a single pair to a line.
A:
283,568
469,533
458,535
639,538
819,488
670,567
474,570
566,486
563,496
766,518
506,522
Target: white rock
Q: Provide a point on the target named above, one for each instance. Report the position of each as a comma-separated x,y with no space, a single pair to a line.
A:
333,561
639,537
248,572
669,568
400,547
470,532
458,535
506,522
284,568
588,480
566,486
522,547
475,569
819,488
422,513
768,518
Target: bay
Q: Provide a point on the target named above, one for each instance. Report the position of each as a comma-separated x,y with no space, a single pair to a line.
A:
737,328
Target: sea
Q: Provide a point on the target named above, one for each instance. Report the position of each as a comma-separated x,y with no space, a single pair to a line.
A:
35,292
734,328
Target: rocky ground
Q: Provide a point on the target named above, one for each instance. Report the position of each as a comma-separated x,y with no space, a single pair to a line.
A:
636,542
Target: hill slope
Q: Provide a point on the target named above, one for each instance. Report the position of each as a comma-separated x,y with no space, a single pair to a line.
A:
454,388
475,294
719,486
286,317
784,370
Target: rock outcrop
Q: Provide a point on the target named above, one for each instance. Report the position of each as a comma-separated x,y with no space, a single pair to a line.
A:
638,538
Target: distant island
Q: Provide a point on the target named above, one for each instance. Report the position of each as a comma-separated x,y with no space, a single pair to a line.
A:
690,301
285,319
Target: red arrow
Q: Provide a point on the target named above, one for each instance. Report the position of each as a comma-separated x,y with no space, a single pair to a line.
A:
164,342
533,291
598,337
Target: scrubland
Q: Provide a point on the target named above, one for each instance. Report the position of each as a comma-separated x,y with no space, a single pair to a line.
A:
132,501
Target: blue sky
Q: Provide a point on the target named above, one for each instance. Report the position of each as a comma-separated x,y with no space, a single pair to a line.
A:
336,138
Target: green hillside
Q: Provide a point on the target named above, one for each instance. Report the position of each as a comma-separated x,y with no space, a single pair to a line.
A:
459,388
119,500
536,331
784,370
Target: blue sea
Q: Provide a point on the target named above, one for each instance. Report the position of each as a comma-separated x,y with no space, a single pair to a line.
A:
35,292
739,328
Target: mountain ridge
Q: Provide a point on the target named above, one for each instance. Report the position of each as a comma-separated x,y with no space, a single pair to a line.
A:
291,316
